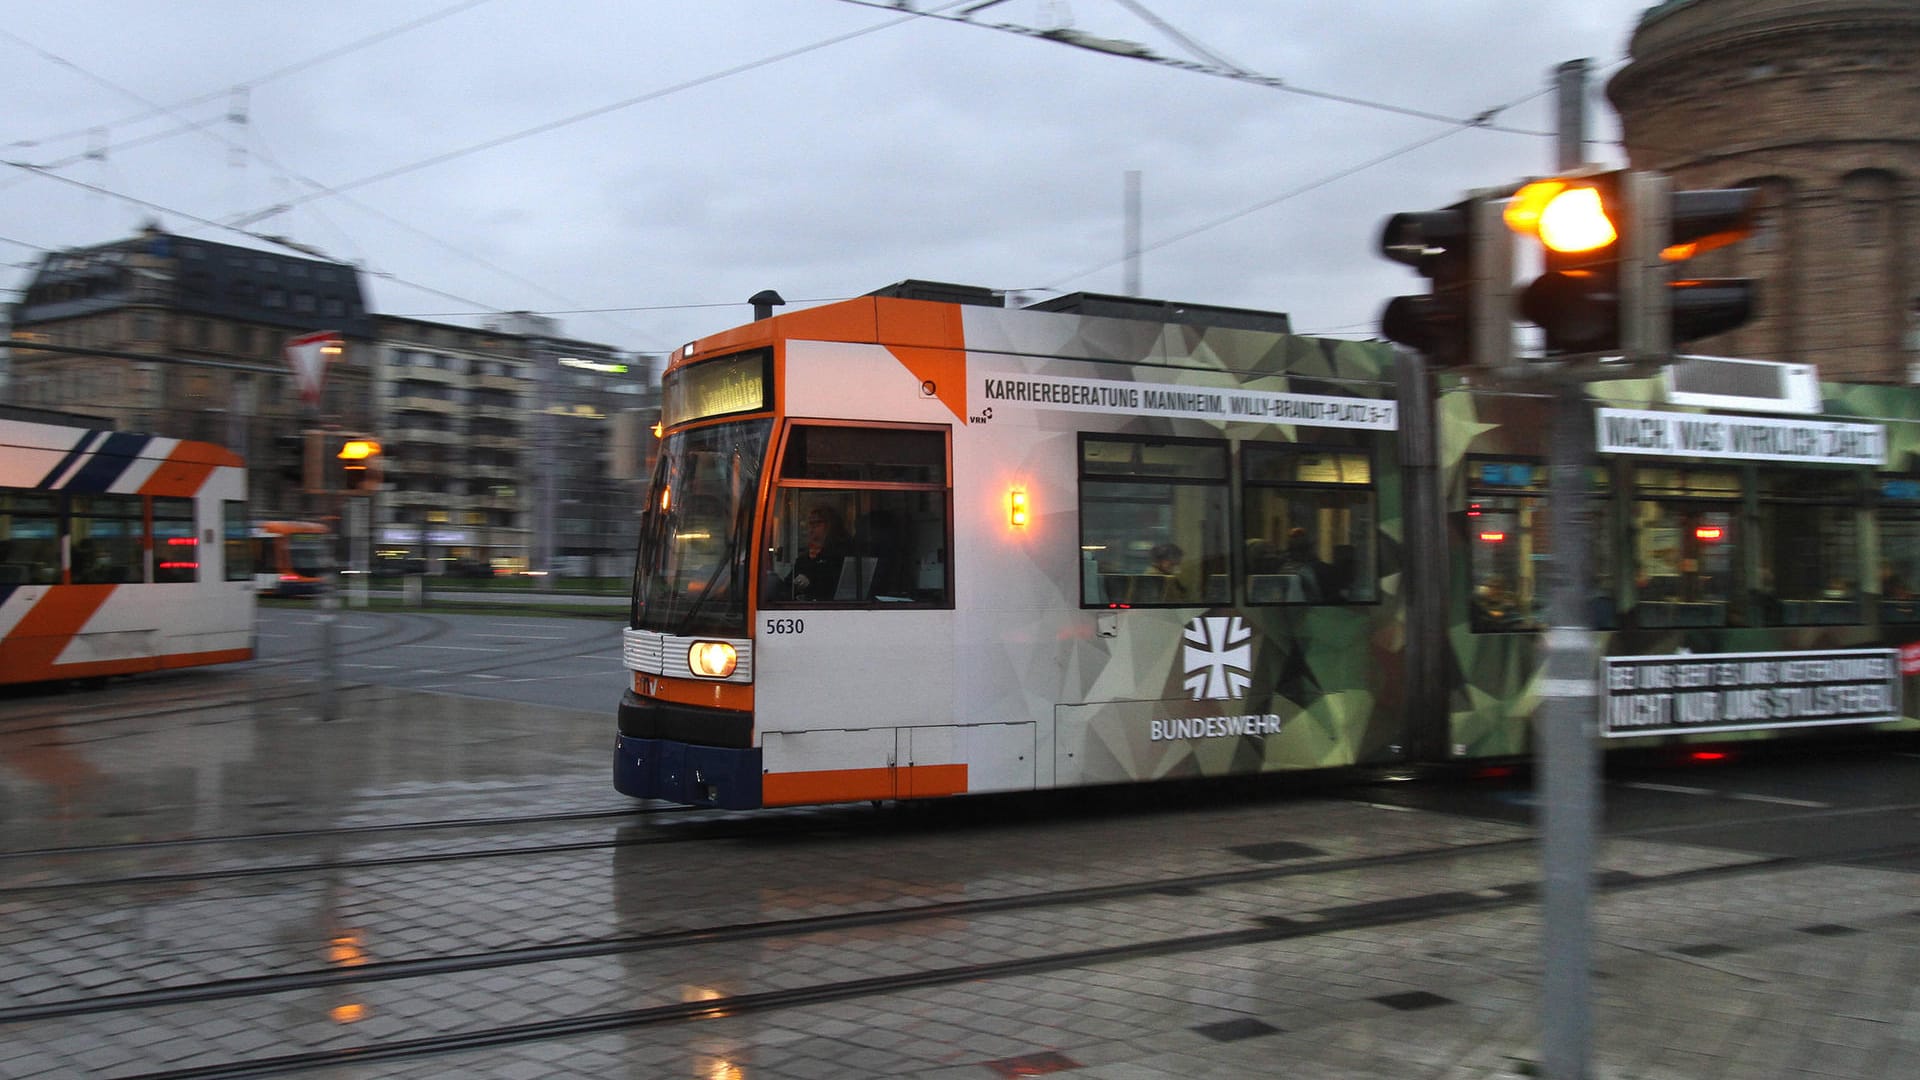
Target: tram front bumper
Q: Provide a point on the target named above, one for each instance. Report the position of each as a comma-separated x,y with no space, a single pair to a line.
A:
677,771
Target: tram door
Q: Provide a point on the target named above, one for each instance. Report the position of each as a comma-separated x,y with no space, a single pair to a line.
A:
855,636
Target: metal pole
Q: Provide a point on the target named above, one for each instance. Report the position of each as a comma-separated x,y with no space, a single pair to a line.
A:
329,607
1132,201
1568,759
1568,786
1572,94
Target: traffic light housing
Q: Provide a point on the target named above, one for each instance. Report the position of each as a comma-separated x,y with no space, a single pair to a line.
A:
1466,317
358,457
1610,242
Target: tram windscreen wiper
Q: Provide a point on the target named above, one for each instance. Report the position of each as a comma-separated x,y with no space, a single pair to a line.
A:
742,518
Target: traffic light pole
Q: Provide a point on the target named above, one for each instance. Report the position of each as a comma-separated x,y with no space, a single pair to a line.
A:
1568,784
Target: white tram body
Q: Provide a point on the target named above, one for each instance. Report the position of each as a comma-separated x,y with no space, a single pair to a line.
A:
1028,463
119,553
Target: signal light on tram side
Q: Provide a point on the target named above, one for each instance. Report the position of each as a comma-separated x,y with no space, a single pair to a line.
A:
1493,537
1017,515
1709,533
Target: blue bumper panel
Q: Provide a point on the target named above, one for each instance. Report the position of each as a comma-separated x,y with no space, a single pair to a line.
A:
714,776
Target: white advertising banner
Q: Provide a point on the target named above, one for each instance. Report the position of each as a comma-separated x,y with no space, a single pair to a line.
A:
1689,692
1753,438
1182,402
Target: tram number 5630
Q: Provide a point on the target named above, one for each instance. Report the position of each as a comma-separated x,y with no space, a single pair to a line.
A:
786,626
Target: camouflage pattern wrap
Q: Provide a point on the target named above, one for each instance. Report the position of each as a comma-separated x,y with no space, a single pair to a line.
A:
1497,693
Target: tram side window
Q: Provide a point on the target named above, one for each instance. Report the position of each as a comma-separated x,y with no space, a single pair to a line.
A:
1309,522
1510,544
235,544
1810,547
176,547
1688,566
1899,520
860,518
29,538
1153,522
106,533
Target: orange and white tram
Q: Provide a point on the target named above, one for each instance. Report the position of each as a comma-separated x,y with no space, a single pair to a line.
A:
119,553
918,544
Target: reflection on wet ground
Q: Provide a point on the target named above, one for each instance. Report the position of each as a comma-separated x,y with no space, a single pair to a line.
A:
196,873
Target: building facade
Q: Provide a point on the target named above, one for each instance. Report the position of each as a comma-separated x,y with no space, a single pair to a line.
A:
503,448
586,467
1817,104
451,407
183,337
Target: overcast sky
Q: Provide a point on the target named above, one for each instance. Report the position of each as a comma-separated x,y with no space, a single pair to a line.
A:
640,168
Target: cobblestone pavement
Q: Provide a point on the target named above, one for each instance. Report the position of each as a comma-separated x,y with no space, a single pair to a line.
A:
190,880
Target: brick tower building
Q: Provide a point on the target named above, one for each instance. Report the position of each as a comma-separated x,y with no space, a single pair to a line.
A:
1817,104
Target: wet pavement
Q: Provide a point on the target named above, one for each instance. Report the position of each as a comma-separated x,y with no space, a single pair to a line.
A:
199,878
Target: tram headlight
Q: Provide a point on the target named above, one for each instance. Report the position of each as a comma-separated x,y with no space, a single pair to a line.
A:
711,659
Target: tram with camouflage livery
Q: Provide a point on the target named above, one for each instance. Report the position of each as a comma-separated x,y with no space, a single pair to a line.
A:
119,553
919,544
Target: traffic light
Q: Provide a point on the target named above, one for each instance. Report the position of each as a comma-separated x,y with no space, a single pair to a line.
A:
359,459
1610,241
1466,317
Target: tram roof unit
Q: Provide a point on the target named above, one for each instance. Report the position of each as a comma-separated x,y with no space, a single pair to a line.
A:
1085,326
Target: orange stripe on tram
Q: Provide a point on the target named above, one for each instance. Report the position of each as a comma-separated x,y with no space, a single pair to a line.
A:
855,785
35,643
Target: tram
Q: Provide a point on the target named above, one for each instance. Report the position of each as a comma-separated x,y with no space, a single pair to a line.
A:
918,544
119,553
290,558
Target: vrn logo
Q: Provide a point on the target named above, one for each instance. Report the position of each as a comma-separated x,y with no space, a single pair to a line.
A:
1219,657
985,415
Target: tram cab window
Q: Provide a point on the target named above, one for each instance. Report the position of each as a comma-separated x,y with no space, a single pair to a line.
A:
1899,530
176,548
1689,569
1309,524
105,533
859,519
1153,522
29,538
1809,547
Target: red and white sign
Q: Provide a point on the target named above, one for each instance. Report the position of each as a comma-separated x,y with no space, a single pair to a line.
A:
308,356
1910,658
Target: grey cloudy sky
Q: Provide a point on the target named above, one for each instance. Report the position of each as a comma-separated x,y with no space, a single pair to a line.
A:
640,168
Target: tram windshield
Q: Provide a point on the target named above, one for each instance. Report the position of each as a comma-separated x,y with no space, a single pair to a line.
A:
690,574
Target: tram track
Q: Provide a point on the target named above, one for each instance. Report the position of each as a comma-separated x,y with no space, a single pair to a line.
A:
228,873
1266,929
282,835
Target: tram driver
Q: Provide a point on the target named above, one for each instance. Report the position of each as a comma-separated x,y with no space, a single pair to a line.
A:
816,568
